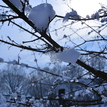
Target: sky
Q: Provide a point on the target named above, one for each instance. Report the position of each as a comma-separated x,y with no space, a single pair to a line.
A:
83,7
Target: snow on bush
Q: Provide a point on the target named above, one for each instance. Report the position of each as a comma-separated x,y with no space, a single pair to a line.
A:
41,15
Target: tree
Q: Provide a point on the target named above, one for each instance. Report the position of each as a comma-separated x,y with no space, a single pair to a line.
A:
46,42
34,86
53,46
12,80
100,62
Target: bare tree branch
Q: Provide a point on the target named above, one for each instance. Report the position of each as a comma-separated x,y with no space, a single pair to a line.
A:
43,34
56,47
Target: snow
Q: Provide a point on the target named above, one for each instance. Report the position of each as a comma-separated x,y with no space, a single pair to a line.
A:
104,20
65,36
62,79
35,60
2,16
87,16
17,4
13,96
23,65
23,99
72,15
1,60
104,99
83,93
69,56
2,99
14,62
41,15
27,10
95,16
38,103
32,100
65,78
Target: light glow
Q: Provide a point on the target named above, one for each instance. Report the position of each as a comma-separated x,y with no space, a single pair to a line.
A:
86,7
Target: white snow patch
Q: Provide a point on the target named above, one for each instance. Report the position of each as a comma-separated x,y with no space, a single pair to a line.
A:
69,56
17,4
41,15
73,14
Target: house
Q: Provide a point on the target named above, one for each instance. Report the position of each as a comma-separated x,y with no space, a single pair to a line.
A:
75,92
